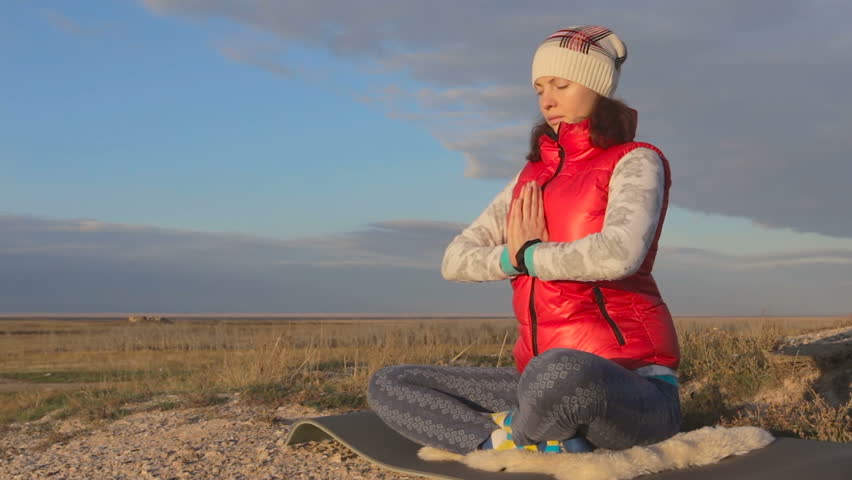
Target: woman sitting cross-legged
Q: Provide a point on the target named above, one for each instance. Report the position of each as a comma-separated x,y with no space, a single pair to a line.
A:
575,232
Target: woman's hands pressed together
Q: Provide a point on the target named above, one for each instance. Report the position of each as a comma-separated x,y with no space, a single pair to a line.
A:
526,219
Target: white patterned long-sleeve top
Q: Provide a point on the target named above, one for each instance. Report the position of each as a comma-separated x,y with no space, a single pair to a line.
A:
634,205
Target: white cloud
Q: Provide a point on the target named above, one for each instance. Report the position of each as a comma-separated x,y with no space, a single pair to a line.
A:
492,153
757,262
748,100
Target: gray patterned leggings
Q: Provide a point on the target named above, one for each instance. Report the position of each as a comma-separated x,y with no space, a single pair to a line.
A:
562,392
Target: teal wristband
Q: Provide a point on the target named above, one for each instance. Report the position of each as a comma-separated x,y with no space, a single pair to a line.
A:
528,259
521,255
506,263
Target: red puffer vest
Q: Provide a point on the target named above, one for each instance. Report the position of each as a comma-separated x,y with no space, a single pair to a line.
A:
623,320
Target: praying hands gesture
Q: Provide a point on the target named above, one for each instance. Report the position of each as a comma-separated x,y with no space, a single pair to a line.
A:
526,219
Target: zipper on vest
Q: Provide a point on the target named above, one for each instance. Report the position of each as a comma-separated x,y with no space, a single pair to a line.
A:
533,319
533,316
602,305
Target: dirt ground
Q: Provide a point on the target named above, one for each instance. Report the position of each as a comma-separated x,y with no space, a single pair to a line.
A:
232,440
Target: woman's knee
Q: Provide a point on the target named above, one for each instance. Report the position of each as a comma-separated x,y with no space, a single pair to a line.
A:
383,381
379,380
567,366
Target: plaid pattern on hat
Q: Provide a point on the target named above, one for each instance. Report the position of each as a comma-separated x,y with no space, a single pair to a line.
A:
590,55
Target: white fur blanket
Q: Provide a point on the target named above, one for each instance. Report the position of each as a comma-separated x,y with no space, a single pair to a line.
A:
698,447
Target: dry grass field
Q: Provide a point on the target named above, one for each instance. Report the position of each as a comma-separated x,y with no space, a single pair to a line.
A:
94,368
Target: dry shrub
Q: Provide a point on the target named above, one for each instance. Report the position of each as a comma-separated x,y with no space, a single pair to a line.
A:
812,419
731,376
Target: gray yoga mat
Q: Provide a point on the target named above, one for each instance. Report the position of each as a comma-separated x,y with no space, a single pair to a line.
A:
365,434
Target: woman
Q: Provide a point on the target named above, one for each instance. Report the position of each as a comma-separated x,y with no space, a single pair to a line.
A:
576,232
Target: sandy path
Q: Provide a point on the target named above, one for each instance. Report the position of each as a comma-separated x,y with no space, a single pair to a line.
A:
230,441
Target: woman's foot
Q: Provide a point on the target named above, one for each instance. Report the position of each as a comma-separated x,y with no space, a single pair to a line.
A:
502,437
572,445
499,440
503,419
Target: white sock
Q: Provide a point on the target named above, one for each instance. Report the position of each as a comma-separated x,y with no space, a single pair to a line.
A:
496,439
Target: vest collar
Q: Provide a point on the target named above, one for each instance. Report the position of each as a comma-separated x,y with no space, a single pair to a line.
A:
574,138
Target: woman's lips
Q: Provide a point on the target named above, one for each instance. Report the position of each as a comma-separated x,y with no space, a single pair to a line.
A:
554,119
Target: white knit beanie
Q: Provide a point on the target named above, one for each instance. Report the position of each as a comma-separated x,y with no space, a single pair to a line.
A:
590,55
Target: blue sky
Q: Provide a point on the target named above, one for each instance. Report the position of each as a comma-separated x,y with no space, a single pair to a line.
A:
320,131
148,108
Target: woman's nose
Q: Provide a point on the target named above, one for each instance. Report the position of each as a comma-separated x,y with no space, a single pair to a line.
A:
547,101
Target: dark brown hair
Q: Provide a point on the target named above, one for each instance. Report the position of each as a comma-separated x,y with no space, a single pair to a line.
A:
612,123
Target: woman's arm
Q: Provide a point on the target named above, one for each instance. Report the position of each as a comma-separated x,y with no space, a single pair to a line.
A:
633,210
475,254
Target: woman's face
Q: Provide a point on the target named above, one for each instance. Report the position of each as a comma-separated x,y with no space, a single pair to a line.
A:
561,100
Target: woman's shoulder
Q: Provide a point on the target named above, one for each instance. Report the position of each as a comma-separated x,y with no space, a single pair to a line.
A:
641,156
623,149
